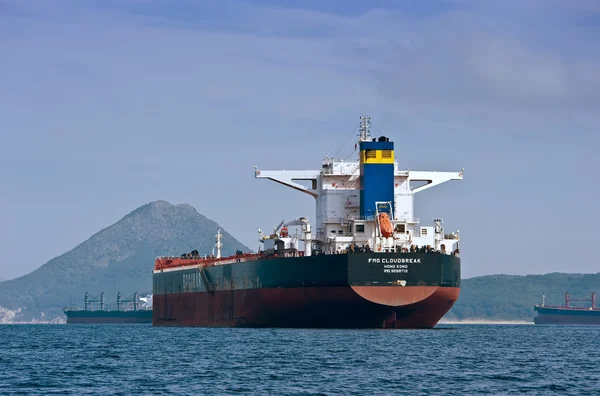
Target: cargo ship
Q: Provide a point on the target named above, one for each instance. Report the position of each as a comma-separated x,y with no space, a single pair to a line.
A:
368,264
567,314
127,310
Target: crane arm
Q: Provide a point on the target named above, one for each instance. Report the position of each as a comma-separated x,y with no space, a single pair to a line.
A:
298,221
279,226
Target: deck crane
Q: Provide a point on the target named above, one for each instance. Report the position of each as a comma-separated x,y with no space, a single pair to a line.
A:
305,225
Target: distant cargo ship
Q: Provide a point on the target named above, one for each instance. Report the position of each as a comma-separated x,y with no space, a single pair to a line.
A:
369,263
128,310
567,314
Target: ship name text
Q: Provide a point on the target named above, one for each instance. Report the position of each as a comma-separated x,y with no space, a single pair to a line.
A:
395,260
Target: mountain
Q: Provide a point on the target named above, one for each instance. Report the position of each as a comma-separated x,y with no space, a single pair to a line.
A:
512,297
119,258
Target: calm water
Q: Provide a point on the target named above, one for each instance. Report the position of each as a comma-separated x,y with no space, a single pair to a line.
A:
449,360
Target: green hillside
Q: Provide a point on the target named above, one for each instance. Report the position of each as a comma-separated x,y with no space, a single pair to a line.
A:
119,258
512,297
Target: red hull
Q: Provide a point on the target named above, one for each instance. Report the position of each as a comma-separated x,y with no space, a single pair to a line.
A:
308,307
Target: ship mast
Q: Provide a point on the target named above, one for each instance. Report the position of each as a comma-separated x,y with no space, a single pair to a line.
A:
543,300
365,125
218,243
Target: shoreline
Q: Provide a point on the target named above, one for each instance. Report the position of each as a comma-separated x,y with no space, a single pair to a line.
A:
487,321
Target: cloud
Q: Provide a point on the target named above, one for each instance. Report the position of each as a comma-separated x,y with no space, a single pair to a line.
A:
455,62
142,97
456,59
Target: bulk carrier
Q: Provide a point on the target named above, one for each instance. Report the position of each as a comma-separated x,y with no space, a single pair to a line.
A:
368,264
567,314
127,310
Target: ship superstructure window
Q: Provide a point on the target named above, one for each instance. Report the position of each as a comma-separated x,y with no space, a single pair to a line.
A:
423,231
386,153
341,232
370,153
360,228
401,228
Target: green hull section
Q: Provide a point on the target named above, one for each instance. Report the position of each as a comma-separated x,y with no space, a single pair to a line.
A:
99,317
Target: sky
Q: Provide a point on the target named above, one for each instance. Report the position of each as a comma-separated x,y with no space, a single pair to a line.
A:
108,105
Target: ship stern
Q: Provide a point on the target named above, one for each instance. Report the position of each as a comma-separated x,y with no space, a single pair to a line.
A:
416,289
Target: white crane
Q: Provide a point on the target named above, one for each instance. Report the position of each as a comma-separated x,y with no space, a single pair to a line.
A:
303,222
280,233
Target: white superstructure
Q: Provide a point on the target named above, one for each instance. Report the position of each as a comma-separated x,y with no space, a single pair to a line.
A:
338,224
146,301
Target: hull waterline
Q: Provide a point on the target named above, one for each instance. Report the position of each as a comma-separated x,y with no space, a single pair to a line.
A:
336,307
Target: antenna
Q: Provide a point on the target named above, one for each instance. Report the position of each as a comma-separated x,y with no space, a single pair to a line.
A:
365,124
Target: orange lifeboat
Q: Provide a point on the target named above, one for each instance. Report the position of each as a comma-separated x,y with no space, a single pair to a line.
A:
385,225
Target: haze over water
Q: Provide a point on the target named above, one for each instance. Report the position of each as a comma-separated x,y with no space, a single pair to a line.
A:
449,360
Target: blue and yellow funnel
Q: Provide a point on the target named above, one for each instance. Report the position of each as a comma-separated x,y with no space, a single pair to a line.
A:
376,175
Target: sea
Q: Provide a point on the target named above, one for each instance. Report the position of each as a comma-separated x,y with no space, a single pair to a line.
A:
451,359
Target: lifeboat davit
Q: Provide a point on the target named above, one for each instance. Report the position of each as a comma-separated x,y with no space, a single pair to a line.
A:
385,225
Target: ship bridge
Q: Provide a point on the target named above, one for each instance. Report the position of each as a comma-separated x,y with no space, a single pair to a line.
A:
368,204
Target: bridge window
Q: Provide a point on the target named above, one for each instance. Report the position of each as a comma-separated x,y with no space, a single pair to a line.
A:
360,228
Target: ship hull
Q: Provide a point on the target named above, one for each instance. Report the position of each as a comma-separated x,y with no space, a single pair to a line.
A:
108,317
336,307
564,316
395,290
